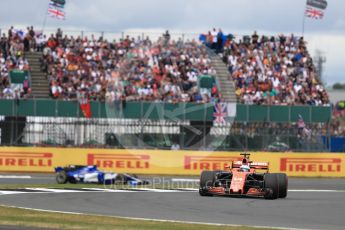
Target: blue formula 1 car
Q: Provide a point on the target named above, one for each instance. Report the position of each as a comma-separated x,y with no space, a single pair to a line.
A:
90,174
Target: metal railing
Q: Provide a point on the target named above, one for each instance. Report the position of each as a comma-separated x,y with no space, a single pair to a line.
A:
162,111
146,134
117,35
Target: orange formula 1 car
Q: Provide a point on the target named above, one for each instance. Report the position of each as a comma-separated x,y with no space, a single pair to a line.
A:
242,180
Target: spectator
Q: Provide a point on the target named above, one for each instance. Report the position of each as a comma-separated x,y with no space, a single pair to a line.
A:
220,41
275,71
166,38
214,38
59,34
126,70
12,58
175,147
27,43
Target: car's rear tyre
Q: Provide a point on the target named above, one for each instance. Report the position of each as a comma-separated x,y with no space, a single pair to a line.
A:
282,185
121,179
61,177
271,185
207,179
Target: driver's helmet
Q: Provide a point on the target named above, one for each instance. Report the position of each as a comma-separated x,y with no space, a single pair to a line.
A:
245,168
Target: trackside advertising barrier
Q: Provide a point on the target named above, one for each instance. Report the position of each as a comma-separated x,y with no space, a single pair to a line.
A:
16,159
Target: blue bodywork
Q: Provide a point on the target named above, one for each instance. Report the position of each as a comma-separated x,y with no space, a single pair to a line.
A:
90,174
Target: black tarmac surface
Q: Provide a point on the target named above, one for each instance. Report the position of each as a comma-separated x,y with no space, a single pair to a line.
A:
294,183
319,209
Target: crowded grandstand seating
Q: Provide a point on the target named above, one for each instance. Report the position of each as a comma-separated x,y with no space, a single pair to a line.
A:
270,70
129,69
265,70
14,68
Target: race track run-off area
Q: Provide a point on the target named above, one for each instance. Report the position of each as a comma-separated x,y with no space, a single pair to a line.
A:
311,204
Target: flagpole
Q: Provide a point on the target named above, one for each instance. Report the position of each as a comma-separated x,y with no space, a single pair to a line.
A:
303,24
45,20
303,21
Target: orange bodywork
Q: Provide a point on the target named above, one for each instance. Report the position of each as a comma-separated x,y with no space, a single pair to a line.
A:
237,186
238,181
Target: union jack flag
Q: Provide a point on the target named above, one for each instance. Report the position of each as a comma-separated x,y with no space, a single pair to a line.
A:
315,13
56,10
220,112
56,13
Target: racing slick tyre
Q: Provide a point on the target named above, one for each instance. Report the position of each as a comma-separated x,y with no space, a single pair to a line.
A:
271,185
282,185
207,179
121,179
61,177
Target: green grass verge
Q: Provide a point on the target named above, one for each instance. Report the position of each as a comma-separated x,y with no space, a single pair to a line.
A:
30,218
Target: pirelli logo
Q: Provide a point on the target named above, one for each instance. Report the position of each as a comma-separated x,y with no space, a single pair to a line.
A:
26,159
208,162
310,164
119,161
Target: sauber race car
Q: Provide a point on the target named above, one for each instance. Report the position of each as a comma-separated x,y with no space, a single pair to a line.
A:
90,174
241,179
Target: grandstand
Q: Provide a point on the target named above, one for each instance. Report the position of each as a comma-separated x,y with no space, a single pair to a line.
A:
153,93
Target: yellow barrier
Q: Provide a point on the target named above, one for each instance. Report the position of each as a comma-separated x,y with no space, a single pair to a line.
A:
13,159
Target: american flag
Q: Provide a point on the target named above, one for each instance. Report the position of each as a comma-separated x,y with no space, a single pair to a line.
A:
315,13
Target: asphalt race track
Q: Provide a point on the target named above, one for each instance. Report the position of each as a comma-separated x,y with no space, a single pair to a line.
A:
322,207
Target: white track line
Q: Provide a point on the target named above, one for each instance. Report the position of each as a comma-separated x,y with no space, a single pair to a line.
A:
149,190
184,180
314,190
14,177
188,189
156,220
84,190
157,190
11,192
55,190
107,190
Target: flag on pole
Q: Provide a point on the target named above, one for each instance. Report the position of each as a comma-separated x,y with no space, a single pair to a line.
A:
224,112
56,9
315,9
219,113
85,107
55,13
58,3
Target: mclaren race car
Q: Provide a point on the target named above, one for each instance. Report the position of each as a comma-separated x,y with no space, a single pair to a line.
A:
90,174
242,179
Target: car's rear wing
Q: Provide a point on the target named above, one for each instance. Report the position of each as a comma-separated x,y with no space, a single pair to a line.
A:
253,165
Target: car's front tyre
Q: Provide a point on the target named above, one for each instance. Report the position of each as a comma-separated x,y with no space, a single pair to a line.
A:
207,179
282,185
61,177
271,185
